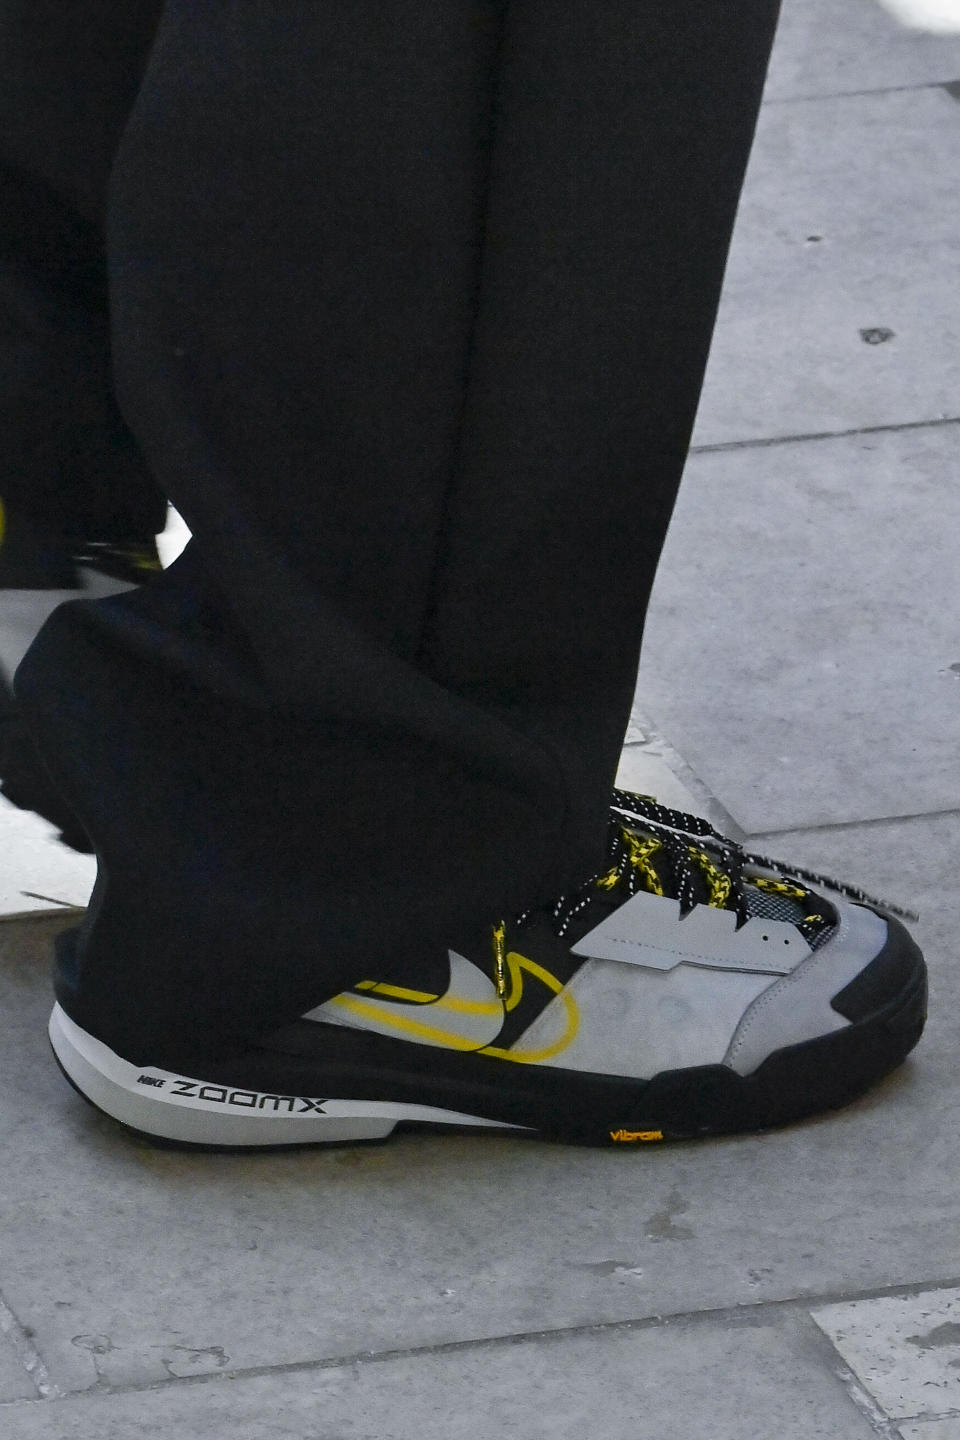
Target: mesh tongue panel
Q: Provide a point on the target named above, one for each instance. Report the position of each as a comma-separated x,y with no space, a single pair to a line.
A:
767,906
760,904
773,907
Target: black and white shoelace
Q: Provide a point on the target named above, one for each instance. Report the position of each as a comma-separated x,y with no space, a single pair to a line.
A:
652,847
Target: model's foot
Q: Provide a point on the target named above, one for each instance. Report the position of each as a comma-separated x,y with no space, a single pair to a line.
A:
685,990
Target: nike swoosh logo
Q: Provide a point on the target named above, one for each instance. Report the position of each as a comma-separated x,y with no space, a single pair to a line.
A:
468,1016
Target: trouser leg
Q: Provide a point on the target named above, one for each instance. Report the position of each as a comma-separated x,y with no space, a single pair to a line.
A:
68,75
411,310
623,131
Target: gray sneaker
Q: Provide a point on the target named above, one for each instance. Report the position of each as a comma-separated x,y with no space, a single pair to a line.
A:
687,989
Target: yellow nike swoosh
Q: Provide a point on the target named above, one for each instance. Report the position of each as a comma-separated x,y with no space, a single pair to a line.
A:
468,1016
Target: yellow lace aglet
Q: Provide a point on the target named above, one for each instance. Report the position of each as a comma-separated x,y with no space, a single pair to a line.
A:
500,958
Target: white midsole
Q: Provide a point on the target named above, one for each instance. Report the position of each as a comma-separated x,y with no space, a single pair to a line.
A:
177,1107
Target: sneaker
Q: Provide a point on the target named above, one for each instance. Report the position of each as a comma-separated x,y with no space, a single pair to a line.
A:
687,989
37,573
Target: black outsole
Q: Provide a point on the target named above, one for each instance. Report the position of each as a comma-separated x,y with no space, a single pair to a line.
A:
600,1110
579,1107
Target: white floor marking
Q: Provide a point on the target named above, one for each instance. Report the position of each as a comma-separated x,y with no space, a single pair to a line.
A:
904,1350
942,17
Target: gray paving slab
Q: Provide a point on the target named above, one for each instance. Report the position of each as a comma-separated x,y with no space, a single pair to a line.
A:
827,46
904,1349
645,771
848,224
672,1383
132,1265
801,649
948,1429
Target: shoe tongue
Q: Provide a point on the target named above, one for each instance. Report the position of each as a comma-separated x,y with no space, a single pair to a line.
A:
768,906
762,904
664,869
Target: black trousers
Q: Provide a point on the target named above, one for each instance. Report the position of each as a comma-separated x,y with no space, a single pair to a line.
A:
409,307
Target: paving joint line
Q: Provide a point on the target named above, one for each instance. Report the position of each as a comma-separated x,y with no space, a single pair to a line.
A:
26,1353
720,816
658,745
837,825
763,442
860,94
749,1315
